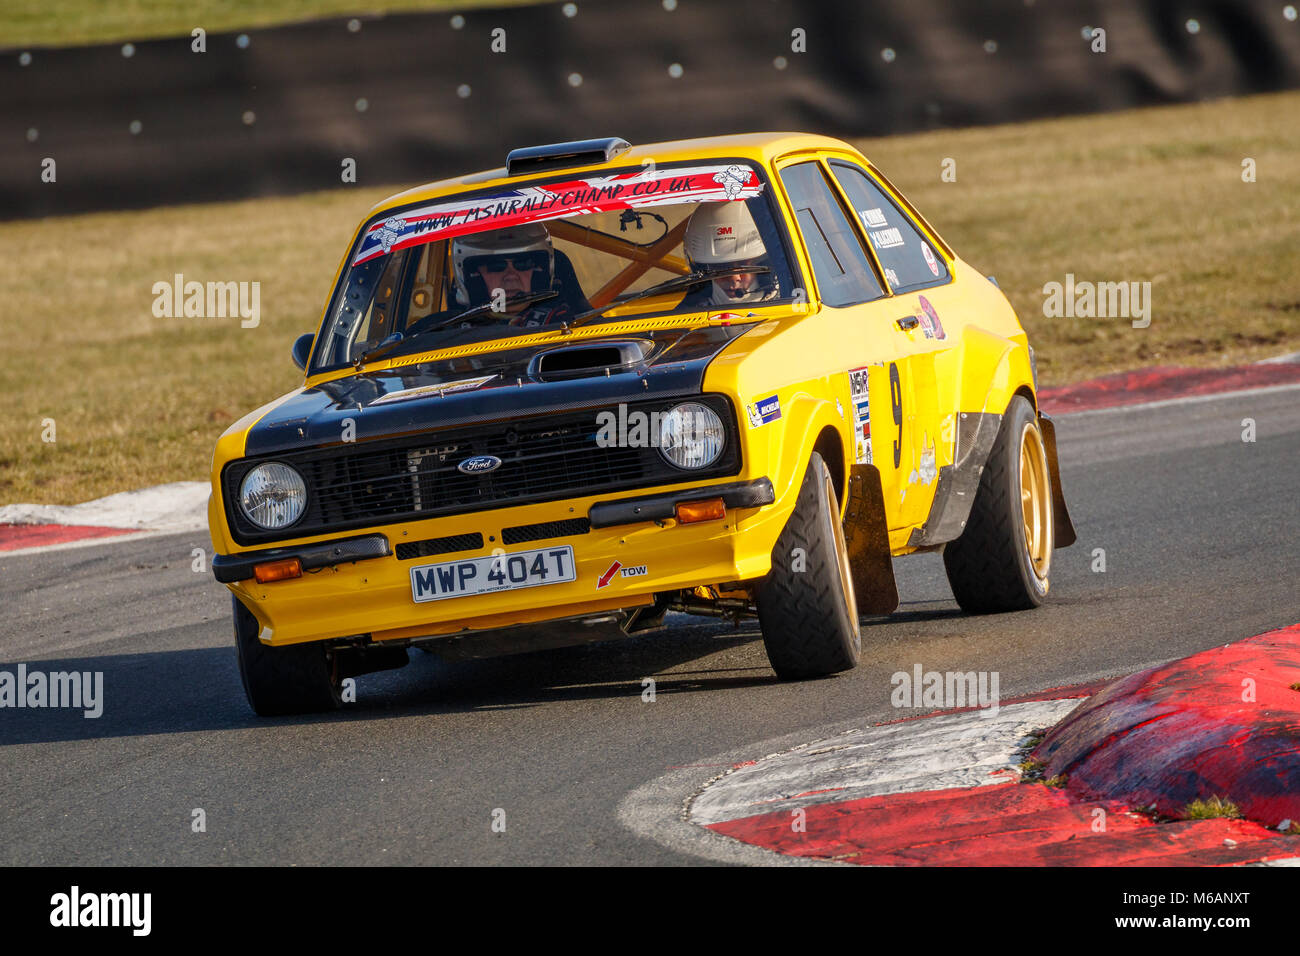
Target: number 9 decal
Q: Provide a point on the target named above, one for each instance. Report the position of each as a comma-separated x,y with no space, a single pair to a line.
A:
896,403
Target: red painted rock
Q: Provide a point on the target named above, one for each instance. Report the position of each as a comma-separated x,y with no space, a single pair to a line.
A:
1222,723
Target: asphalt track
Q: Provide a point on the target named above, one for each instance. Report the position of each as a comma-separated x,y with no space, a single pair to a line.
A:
1201,533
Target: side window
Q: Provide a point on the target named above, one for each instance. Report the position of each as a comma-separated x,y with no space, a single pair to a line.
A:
843,271
386,308
909,261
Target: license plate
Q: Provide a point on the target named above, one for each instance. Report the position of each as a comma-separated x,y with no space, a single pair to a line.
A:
495,572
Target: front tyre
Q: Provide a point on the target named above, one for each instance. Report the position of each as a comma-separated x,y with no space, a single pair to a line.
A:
806,605
297,679
1002,560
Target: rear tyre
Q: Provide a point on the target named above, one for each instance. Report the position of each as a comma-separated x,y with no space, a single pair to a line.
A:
806,605
298,679
1002,560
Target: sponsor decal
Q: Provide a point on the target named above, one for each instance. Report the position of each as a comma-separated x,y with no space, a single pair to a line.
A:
763,411
891,277
886,238
873,218
479,465
934,328
604,579
930,260
446,388
733,180
629,190
860,397
724,231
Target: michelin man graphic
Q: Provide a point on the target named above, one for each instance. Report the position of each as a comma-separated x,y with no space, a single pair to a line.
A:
732,180
391,232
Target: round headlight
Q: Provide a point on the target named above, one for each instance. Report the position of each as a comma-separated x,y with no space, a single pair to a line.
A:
691,436
273,496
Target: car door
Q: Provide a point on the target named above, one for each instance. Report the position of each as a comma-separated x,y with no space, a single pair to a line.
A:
888,415
919,276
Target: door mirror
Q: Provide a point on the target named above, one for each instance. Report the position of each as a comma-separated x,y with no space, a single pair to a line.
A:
302,349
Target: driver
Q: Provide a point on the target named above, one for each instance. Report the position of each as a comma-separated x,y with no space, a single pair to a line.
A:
723,235
518,260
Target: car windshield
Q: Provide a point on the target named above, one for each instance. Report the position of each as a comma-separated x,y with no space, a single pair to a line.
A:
659,241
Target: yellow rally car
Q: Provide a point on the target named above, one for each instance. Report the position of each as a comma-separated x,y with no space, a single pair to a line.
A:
549,403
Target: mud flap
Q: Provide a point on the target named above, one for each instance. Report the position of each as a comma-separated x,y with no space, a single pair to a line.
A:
1062,527
867,537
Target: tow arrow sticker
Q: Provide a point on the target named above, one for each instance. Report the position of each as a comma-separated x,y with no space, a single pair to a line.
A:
608,576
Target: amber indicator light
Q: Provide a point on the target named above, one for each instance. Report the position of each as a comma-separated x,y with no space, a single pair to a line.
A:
711,509
278,570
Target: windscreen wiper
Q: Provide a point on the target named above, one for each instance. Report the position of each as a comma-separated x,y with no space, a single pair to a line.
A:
526,299
668,285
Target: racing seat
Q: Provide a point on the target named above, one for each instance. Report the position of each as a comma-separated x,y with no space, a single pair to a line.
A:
566,283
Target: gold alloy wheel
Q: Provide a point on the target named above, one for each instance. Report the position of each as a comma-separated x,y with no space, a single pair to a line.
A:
841,550
1036,500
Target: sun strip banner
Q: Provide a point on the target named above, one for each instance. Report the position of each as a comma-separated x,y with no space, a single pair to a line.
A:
659,187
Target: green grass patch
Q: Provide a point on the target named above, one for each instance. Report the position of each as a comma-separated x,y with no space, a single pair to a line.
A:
1211,809
139,400
25,23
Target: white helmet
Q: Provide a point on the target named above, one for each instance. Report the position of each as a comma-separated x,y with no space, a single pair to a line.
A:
722,234
470,252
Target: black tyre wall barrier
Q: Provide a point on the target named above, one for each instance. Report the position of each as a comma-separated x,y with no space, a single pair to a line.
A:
415,97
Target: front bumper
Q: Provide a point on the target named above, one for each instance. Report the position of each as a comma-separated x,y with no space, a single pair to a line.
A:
358,585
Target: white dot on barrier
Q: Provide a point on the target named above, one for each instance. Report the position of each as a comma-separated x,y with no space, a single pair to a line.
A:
354,25
457,22
32,134
569,9
128,50
670,5
242,41
249,117
575,79
24,59
780,63
1289,12
1087,33
675,70
463,91
888,54
990,46
1193,26
363,104
135,127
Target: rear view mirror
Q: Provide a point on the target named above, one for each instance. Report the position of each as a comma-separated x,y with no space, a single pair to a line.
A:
302,349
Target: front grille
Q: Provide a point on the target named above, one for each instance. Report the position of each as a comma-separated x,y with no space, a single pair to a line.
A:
546,529
422,549
542,459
